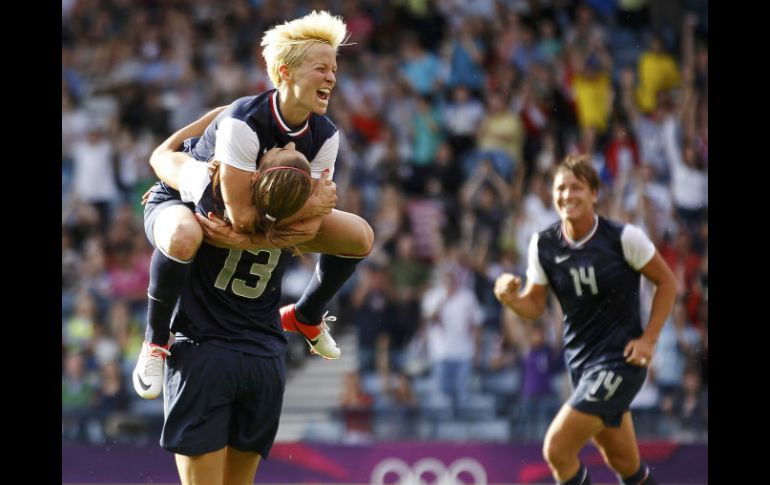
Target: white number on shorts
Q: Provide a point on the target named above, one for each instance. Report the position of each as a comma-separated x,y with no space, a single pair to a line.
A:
610,381
262,271
586,276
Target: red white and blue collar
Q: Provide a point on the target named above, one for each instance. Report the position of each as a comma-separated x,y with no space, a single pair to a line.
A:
585,238
284,126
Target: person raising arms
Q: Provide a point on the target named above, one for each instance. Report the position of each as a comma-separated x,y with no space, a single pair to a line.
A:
593,265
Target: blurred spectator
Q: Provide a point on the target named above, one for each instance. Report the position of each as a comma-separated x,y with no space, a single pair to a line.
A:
587,31
374,306
356,407
409,280
421,69
658,72
621,154
426,136
540,364
593,87
679,344
94,159
687,409
462,115
455,319
500,137
77,395
465,52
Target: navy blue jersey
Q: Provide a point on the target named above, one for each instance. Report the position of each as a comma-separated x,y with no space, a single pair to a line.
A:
232,296
596,281
250,126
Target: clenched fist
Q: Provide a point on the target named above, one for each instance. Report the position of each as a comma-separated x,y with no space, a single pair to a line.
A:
507,288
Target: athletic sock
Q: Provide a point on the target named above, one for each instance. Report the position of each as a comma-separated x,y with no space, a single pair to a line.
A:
167,276
331,273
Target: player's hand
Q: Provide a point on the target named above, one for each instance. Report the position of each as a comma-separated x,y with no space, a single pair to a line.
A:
507,288
324,196
639,352
220,233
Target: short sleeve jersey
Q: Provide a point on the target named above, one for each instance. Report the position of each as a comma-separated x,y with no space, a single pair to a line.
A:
597,282
232,296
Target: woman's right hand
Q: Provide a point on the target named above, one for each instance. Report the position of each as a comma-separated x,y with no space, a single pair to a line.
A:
220,233
324,196
507,288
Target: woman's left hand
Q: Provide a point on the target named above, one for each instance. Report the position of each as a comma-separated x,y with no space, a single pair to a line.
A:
639,352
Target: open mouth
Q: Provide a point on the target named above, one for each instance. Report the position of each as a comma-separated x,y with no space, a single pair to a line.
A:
323,94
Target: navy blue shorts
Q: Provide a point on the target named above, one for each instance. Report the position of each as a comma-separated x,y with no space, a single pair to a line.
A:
216,397
161,196
607,391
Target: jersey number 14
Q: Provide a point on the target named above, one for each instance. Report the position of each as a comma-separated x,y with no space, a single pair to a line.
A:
584,276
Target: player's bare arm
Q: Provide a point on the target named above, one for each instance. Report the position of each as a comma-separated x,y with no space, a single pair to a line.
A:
237,197
220,233
640,351
166,161
529,304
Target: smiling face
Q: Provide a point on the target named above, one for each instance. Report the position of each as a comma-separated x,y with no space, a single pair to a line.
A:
573,197
310,85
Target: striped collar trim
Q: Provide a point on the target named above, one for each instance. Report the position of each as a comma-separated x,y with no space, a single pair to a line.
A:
284,126
585,238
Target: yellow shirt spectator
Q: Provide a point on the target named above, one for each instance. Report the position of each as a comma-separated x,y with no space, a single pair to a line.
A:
593,96
657,72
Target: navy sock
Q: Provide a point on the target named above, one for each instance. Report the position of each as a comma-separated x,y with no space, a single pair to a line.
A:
166,279
331,273
643,476
580,478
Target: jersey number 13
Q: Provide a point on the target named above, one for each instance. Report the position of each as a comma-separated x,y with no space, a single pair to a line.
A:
262,271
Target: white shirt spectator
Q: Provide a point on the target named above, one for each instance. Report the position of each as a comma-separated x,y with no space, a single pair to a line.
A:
94,171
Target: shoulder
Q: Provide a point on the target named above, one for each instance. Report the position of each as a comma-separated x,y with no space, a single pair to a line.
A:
612,228
323,126
551,233
248,107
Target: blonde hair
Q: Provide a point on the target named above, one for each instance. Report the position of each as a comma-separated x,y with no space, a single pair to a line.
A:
288,43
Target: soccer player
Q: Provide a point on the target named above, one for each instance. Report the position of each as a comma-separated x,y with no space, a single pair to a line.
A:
300,57
225,371
593,266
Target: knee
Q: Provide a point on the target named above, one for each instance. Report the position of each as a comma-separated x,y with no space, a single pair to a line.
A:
554,454
364,240
622,464
180,239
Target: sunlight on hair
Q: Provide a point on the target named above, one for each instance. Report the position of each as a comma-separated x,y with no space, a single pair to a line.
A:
287,43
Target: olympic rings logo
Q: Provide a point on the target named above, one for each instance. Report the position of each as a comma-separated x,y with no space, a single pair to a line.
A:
418,473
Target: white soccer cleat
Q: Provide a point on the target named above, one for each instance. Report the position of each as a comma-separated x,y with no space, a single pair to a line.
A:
148,373
325,345
322,343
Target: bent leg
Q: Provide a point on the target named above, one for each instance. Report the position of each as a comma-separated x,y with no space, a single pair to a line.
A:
206,469
240,466
344,239
619,449
176,237
343,234
177,233
569,431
